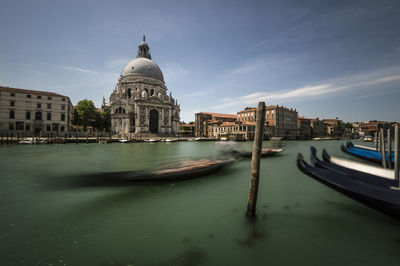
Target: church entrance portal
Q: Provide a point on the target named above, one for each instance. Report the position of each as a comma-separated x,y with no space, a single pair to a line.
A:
153,121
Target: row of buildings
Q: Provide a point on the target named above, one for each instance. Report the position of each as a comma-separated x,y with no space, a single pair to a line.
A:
280,122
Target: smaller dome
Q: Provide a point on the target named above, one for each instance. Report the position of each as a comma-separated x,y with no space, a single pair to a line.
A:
144,44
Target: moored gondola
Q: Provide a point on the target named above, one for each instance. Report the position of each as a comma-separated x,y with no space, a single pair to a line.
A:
381,198
367,154
362,167
356,172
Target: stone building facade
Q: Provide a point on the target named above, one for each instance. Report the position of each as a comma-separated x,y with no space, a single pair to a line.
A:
202,120
282,120
139,103
304,128
34,113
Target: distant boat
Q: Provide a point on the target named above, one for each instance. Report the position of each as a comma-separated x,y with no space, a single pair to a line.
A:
26,141
124,140
276,138
33,141
151,140
248,154
367,138
355,185
170,140
103,141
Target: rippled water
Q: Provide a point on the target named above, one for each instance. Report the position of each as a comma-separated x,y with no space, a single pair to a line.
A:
49,217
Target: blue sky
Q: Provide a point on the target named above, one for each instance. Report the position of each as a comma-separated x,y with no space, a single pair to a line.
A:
325,58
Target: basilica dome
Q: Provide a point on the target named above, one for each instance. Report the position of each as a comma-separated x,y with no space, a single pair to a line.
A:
143,66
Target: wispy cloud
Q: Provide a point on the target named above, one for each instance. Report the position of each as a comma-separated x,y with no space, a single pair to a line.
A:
359,81
173,71
78,69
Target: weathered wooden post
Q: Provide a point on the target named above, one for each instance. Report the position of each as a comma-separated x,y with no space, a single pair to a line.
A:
255,160
383,149
87,137
7,138
376,140
76,138
1,138
389,143
396,153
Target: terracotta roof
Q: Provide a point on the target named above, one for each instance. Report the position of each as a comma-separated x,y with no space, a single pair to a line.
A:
228,124
302,117
187,125
30,91
247,110
247,123
218,115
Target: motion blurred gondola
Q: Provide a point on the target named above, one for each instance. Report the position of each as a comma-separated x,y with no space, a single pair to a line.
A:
264,152
182,171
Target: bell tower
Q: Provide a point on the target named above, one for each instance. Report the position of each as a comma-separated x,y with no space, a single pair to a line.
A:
143,49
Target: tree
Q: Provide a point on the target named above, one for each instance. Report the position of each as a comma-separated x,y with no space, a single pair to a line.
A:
102,120
85,113
348,125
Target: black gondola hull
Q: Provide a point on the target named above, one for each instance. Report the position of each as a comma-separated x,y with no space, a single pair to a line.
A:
385,200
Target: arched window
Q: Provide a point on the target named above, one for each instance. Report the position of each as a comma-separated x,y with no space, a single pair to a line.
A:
151,92
62,117
129,93
38,115
12,114
48,116
120,110
28,115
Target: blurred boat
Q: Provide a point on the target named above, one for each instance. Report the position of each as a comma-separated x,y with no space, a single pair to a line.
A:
151,140
265,152
382,198
124,140
103,141
179,172
33,141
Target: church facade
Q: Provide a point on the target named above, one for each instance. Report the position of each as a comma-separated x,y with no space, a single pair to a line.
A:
140,103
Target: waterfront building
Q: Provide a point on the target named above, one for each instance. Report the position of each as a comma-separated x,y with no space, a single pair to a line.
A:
139,103
335,127
186,130
370,127
202,120
319,128
34,113
304,128
282,121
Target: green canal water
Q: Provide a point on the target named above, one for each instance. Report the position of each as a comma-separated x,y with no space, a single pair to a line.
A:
48,217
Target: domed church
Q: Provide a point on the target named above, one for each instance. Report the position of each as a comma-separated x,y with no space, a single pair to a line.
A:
139,103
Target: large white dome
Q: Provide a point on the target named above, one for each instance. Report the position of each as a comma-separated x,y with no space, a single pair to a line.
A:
143,66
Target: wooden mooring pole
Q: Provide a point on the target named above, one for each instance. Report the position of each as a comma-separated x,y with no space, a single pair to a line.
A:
383,149
389,143
396,153
255,160
376,140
